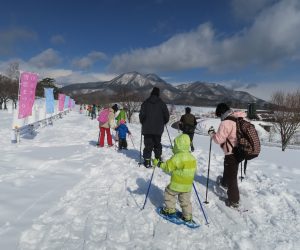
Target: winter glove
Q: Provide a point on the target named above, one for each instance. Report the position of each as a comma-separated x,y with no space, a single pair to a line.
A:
211,131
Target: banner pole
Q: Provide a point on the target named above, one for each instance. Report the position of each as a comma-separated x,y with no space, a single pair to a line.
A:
15,128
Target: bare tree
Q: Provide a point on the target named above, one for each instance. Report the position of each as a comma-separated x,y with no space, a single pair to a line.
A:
286,107
13,71
131,107
13,92
131,102
4,91
10,85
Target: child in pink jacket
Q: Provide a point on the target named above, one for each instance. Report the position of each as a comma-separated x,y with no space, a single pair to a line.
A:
227,132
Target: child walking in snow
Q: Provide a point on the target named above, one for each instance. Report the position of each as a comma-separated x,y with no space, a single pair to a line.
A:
122,130
182,166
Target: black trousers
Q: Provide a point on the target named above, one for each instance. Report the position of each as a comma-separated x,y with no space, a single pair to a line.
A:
122,143
152,143
231,167
191,135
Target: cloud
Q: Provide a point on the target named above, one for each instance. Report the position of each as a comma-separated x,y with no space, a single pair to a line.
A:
47,58
9,39
88,61
232,84
57,39
236,85
84,77
246,10
251,85
62,76
176,53
265,90
269,41
262,89
68,76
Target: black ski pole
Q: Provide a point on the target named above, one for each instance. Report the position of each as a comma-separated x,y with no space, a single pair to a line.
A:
207,180
169,136
200,204
242,171
98,143
141,149
148,188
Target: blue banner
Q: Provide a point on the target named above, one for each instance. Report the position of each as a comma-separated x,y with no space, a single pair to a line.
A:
67,101
49,100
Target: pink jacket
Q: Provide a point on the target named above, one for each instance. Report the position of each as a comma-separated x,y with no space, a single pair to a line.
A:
227,129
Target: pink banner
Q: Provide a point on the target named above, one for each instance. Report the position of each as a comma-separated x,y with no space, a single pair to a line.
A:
28,82
70,103
61,102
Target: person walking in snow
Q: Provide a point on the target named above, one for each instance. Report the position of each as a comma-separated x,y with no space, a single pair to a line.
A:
153,116
188,124
89,109
227,132
122,130
182,166
121,115
105,127
93,113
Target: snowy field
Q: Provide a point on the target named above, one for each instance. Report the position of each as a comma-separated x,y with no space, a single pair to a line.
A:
59,191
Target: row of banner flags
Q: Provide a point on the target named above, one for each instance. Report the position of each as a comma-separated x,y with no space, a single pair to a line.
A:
28,83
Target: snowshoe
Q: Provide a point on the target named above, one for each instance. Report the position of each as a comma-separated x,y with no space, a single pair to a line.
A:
177,218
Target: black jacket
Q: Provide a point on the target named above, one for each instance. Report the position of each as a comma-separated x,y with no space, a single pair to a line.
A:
153,116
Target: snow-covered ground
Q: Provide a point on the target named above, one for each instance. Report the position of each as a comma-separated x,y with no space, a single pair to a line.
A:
59,191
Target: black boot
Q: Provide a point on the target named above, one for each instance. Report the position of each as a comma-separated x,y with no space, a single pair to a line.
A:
229,203
147,163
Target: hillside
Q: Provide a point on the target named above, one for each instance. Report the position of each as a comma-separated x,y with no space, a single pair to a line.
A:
138,86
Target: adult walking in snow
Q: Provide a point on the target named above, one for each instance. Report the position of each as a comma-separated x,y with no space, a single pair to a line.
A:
187,125
93,113
225,136
153,116
106,126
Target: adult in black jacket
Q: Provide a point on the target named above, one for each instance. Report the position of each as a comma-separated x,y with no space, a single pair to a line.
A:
188,124
153,116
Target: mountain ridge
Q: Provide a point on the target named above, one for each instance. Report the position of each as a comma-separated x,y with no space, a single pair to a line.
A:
138,86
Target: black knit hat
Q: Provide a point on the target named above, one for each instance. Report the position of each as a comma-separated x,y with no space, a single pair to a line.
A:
188,110
115,107
155,91
221,109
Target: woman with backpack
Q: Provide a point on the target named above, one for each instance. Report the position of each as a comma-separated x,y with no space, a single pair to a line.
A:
106,122
226,137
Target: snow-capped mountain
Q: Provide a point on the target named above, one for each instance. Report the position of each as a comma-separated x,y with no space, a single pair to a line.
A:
139,86
133,80
203,93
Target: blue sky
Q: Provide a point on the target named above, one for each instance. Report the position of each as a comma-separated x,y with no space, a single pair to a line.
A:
247,45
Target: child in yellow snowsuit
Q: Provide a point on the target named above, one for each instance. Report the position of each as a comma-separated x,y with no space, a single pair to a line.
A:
182,165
